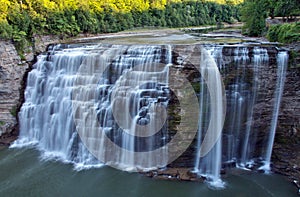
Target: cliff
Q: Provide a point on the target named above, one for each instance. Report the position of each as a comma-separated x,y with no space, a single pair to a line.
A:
286,150
12,74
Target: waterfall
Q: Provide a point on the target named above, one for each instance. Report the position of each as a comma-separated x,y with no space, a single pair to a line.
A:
282,61
260,59
237,93
208,162
64,86
97,104
239,136
45,117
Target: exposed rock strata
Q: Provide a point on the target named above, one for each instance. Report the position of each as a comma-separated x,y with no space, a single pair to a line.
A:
12,71
286,151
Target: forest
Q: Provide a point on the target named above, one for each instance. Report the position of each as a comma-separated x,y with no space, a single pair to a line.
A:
22,19
255,12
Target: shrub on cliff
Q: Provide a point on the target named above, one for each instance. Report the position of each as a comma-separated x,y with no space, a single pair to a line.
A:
285,33
5,30
254,14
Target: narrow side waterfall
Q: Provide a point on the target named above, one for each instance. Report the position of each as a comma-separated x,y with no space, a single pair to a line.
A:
282,61
211,119
242,69
260,59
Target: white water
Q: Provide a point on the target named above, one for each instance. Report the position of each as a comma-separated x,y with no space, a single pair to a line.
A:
260,59
52,98
239,136
209,155
45,116
118,94
282,61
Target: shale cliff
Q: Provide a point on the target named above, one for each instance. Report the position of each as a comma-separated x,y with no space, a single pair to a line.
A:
12,72
286,150
13,76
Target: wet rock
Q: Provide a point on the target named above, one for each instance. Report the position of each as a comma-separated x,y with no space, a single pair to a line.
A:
179,174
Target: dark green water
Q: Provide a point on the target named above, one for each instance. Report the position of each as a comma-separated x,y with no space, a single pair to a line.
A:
22,173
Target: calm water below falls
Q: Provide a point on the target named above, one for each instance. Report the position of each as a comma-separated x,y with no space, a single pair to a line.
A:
24,174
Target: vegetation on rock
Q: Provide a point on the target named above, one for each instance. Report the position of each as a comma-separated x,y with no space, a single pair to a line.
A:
254,13
285,33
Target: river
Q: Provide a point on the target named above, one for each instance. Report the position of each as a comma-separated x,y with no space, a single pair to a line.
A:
25,173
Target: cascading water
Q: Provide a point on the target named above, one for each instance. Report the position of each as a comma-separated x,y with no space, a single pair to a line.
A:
47,115
282,60
117,92
242,75
260,59
211,108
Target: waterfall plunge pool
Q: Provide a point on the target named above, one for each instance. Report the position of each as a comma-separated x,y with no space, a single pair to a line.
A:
23,173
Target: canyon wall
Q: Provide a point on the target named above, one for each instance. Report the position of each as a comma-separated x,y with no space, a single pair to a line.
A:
13,76
286,150
12,73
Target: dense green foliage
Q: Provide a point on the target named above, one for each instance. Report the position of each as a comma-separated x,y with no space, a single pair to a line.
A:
21,19
286,8
254,13
285,33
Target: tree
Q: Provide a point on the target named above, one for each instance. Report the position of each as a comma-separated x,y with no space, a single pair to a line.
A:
287,8
254,13
25,18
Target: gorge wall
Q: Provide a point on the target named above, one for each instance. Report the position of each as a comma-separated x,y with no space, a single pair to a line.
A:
285,156
286,151
12,77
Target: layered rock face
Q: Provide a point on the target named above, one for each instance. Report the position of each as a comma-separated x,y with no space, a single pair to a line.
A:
11,77
285,156
286,151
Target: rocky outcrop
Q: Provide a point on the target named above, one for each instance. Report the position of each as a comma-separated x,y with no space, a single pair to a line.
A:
13,76
12,71
178,174
40,43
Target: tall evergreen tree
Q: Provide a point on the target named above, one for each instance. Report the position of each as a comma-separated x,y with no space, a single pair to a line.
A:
254,13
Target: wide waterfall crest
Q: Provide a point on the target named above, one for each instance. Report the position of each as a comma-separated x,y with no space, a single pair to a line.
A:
95,122
128,129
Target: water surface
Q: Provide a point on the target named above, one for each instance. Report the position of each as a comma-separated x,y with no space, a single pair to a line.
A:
23,173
